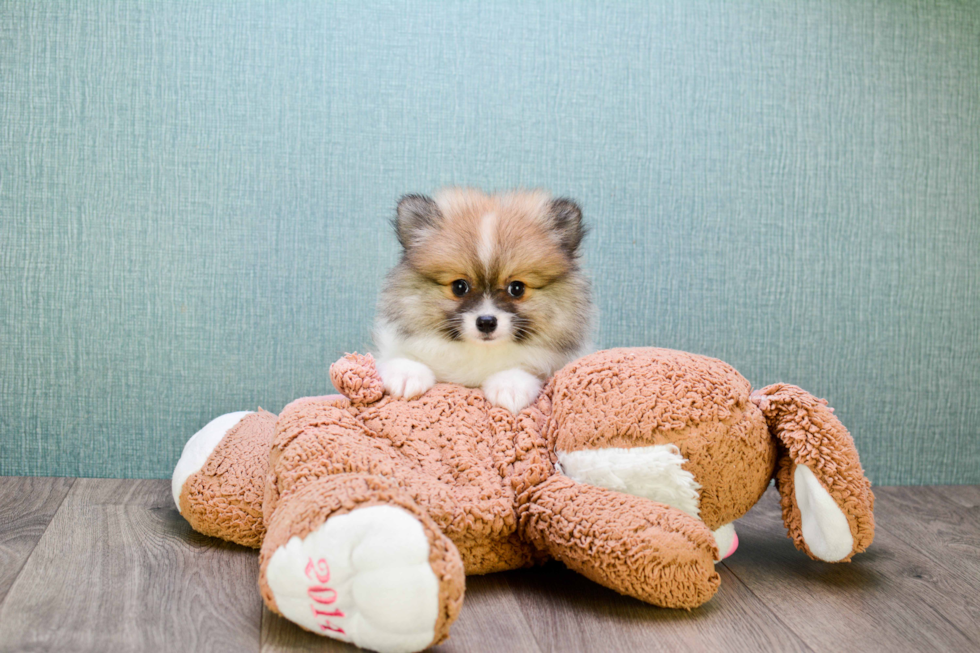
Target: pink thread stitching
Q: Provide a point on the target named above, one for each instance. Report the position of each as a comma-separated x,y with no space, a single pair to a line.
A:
323,595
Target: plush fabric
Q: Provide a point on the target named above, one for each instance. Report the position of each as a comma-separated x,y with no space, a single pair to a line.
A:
487,487
814,437
224,498
689,401
338,495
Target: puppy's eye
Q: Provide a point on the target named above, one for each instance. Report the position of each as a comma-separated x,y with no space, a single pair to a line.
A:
515,289
460,287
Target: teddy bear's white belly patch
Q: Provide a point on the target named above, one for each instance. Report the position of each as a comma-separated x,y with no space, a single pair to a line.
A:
655,473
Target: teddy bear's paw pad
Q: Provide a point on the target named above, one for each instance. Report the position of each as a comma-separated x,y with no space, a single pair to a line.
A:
406,378
362,577
200,447
726,539
825,528
512,389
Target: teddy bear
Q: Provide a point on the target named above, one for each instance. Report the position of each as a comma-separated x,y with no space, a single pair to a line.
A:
630,467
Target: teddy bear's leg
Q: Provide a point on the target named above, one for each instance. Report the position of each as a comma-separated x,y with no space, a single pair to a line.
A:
353,557
635,546
826,499
218,483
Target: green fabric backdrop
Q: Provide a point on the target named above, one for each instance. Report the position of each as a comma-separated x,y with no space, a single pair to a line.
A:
194,200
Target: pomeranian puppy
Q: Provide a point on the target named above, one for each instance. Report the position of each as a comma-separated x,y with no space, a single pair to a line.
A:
488,294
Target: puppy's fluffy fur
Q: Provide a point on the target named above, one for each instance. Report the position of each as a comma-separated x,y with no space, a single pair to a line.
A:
488,293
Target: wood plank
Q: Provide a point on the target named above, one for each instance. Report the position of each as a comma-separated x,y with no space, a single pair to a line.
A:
118,569
490,620
967,496
964,539
571,613
939,522
874,603
27,505
948,535
280,635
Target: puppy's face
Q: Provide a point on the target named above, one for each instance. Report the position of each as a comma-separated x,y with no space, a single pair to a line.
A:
489,269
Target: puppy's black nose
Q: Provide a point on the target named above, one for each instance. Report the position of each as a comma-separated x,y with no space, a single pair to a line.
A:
486,323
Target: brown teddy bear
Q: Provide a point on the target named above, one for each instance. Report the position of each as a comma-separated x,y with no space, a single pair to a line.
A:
630,468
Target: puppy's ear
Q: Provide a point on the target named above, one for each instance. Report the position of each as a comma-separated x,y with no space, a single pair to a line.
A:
566,220
416,215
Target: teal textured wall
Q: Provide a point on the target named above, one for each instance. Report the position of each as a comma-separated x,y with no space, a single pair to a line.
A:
194,200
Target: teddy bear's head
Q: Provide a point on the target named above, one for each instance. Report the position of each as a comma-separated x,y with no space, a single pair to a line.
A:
673,427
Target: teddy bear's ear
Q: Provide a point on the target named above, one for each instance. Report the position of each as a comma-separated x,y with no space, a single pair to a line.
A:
417,214
356,376
826,499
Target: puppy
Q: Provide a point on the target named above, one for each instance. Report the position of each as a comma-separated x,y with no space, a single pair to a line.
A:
488,294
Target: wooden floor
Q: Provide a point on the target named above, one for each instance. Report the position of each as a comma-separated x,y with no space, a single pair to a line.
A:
109,565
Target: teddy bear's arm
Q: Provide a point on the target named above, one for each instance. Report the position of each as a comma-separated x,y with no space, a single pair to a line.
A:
635,546
826,499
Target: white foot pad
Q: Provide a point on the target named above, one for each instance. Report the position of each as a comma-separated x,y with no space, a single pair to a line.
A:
362,577
726,539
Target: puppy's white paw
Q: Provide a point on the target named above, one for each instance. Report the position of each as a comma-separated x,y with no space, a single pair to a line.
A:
406,378
512,389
